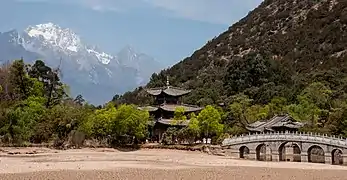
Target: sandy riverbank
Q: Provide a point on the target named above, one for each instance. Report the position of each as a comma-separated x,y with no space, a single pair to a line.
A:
151,164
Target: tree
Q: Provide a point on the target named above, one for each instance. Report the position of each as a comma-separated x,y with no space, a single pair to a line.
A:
313,105
179,116
20,79
305,111
193,129
236,114
79,100
242,112
316,93
124,121
40,71
210,122
21,120
257,112
54,89
99,124
277,106
61,119
170,135
132,121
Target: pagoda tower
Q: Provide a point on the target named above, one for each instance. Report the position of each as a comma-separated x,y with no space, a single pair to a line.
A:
167,100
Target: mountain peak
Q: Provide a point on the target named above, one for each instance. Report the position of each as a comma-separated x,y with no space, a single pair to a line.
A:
86,67
56,36
48,25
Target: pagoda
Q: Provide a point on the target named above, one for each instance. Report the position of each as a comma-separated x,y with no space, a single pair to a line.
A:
167,100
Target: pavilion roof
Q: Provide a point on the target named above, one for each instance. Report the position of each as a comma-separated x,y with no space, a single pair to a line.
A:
277,121
173,122
148,108
172,107
169,90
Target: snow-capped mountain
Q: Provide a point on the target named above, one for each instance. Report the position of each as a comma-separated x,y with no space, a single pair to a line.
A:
144,64
85,67
61,40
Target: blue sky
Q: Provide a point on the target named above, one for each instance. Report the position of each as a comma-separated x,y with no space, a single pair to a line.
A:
168,30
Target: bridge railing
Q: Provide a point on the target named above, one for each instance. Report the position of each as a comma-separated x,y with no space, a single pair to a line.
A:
287,136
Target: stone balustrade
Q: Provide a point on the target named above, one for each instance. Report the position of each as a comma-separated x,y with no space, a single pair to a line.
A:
287,136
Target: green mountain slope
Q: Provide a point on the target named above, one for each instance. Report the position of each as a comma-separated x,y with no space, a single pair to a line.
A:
276,50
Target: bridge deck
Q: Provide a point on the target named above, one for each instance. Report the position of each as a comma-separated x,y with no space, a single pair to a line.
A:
287,136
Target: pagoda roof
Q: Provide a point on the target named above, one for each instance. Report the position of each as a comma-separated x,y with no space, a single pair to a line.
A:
172,122
148,108
172,107
277,121
169,90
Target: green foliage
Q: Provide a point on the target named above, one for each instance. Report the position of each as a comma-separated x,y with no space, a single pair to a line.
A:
35,108
54,89
126,120
193,129
20,79
99,124
278,62
132,121
210,121
313,104
170,135
21,120
242,112
260,67
277,106
179,116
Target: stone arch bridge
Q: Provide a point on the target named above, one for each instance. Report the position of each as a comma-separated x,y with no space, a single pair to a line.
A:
286,146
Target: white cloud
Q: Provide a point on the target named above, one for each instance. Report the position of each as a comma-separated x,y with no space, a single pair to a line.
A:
213,11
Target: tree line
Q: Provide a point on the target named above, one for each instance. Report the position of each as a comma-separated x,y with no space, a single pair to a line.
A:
319,108
35,107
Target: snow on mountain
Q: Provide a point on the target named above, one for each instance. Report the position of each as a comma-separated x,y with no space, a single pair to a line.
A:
64,40
144,64
86,68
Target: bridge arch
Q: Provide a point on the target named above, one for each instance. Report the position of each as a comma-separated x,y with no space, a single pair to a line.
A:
244,152
337,157
316,148
316,154
289,151
262,152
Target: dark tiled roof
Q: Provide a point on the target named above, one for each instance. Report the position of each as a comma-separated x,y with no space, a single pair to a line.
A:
172,108
169,90
154,91
173,122
289,124
187,108
277,121
148,108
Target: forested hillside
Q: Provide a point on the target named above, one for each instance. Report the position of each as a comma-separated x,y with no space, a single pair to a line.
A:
286,54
